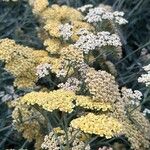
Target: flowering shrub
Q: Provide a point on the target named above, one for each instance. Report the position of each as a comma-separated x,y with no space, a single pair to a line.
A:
82,102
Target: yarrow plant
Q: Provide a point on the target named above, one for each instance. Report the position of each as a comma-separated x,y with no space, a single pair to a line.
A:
79,105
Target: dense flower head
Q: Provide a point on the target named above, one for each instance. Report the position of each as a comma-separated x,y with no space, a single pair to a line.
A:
101,125
53,45
21,61
56,28
53,100
105,12
88,103
72,84
61,13
102,86
43,70
131,97
89,41
57,18
141,122
72,55
85,7
61,21
77,25
66,31
56,64
57,139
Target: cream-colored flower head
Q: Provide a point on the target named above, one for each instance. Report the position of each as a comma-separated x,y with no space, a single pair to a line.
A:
102,85
88,103
56,18
72,54
38,5
102,125
21,61
57,99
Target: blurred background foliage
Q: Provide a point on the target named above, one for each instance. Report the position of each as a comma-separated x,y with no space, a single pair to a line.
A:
17,22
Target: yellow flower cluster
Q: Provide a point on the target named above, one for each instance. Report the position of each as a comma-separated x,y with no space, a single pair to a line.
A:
72,54
89,103
53,45
104,96
63,101
56,64
102,86
51,18
101,125
61,14
27,121
38,5
21,61
59,99
57,15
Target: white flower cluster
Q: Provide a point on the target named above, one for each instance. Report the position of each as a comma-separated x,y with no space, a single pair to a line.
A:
78,145
134,96
83,68
71,84
61,73
50,142
89,41
105,148
104,12
85,7
66,31
145,78
42,70
146,111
